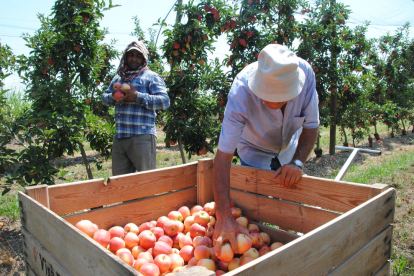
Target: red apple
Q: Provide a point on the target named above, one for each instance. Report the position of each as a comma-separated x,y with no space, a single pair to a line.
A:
252,252
264,250
275,245
166,239
212,221
147,239
163,262
161,221
188,222
202,218
213,254
102,237
253,228
176,240
242,221
246,260
176,261
185,212
170,228
161,247
236,212
126,257
207,263
185,240
200,240
210,208
115,244
117,86
139,263
131,227
87,227
209,231
195,209
220,272
136,250
149,269
146,255
175,215
187,252
118,94
257,239
176,45
223,266
233,264
131,240
201,252
193,261
197,230
158,232
265,237
145,226
226,253
244,242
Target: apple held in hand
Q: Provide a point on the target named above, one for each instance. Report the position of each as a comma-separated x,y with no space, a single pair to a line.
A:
126,86
118,94
117,86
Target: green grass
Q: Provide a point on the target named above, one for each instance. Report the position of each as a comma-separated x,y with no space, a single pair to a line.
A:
9,206
386,172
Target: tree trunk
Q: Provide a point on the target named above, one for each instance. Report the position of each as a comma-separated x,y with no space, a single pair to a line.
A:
180,146
334,95
346,138
85,161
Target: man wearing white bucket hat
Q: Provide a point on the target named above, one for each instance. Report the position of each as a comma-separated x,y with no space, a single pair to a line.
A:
272,119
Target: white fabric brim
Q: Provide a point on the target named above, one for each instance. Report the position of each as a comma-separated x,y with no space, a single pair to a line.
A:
272,91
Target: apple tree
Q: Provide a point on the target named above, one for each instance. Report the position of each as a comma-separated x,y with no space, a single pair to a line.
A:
189,119
65,74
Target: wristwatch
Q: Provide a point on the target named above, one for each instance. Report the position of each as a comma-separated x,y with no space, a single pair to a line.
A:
298,163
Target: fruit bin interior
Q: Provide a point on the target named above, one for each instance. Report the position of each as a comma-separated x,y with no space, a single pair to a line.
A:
146,196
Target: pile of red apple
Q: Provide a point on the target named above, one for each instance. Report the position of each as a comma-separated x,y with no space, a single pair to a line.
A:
119,94
180,240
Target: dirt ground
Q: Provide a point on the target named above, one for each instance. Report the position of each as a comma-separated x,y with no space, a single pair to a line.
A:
11,251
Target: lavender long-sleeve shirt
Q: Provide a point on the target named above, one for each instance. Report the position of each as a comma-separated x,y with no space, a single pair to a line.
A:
258,132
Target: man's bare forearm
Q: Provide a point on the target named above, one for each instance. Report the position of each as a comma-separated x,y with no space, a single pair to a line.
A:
221,183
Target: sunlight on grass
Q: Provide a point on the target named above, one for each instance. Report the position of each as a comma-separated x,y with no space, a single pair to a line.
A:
9,206
374,172
15,104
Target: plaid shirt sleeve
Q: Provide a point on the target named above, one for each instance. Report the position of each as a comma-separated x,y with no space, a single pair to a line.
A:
107,98
157,97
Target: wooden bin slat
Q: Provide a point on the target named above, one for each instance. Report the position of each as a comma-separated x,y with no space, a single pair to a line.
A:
39,193
138,211
369,259
73,250
204,179
384,270
325,193
318,251
72,197
40,262
281,213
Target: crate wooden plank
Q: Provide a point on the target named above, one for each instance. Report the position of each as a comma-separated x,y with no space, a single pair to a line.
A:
284,214
138,211
73,250
196,270
369,259
39,193
38,259
318,251
384,270
329,194
204,178
277,235
72,197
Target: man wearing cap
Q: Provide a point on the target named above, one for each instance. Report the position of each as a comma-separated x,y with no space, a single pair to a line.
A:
272,119
134,144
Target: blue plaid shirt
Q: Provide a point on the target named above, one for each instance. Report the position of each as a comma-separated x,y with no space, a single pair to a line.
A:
137,118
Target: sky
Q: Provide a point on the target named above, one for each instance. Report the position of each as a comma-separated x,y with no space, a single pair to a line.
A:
20,16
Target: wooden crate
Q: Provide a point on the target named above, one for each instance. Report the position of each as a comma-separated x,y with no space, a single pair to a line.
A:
335,227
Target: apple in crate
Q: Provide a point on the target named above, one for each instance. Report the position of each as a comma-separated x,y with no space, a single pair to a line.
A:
139,263
87,227
117,231
226,253
131,227
150,269
163,262
207,263
102,237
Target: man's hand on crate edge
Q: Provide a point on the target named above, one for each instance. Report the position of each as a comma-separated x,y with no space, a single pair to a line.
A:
226,229
289,175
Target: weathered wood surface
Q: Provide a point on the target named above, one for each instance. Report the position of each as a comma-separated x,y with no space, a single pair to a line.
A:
385,270
320,250
38,260
369,259
196,271
329,194
73,250
284,214
138,211
67,198
39,193
204,181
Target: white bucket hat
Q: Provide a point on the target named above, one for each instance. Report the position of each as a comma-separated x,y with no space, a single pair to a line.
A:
276,76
